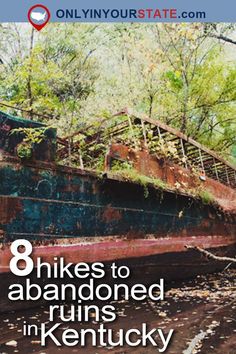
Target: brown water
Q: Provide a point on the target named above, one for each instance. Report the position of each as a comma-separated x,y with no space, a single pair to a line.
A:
202,312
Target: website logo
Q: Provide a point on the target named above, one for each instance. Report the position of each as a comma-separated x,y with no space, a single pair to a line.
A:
38,16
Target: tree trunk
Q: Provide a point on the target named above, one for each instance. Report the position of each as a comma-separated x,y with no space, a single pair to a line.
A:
183,127
29,86
150,106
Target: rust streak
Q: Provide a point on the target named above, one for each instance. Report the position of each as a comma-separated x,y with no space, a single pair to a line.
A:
9,209
110,214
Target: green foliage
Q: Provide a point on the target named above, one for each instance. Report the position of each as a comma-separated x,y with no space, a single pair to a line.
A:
206,197
31,137
54,77
175,79
74,74
118,165
24,150
163,148
133,175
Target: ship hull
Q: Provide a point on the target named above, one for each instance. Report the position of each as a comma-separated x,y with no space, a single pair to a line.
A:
43,202
83,217
116,249
145,269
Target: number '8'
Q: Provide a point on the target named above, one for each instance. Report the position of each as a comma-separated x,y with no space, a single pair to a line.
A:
24,256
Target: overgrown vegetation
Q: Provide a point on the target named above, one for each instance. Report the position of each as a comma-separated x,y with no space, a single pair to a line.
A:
125,170
24,151
75,75
132,175
31,137
206,197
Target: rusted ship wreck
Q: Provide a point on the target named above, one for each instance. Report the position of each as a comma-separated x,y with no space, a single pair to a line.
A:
143,219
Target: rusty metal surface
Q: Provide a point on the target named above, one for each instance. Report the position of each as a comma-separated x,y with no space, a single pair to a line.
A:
81,215
193,154
145,269
172,174
208,156
48,202
116,248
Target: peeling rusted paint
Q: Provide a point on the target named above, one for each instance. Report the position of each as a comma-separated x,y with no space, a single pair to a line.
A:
111,214
10,208
110,248
115,208
172,174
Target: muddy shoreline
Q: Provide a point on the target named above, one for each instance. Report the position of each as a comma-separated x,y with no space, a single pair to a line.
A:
202,312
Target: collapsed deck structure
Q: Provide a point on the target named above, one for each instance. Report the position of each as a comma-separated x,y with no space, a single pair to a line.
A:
156,150
189,152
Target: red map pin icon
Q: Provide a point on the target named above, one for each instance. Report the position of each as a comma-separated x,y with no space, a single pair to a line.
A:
38,16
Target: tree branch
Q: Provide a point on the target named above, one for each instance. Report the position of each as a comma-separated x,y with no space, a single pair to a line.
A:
223,38
210,255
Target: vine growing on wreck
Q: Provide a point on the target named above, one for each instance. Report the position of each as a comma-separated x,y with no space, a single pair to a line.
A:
31,137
